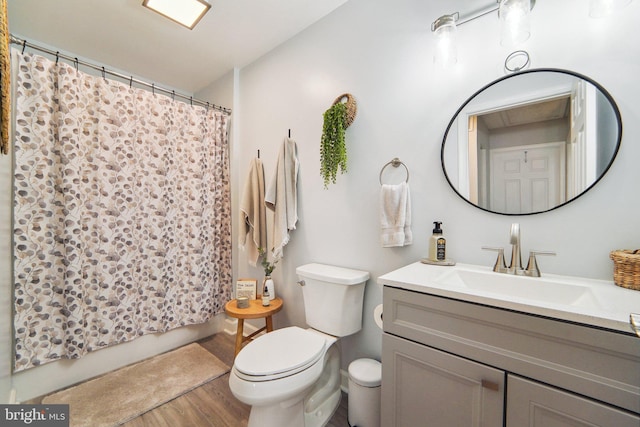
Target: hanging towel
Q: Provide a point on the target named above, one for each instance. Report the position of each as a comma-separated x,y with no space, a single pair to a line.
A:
395,215
282,196
253,213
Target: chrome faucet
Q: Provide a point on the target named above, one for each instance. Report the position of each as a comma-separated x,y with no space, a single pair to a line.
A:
515,266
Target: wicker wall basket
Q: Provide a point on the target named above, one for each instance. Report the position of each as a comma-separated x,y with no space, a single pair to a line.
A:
352,107
626,268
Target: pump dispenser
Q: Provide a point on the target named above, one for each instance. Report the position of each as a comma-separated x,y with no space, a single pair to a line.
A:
437,244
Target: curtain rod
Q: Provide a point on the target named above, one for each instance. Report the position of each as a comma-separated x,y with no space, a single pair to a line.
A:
130,79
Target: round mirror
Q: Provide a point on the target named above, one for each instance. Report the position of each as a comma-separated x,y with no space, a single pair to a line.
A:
531,142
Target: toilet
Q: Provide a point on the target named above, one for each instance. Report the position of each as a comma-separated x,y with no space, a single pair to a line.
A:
291,376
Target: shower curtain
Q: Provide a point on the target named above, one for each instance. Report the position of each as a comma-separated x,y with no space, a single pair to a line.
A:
122,222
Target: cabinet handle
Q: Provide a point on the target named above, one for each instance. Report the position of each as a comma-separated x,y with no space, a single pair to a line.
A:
490,385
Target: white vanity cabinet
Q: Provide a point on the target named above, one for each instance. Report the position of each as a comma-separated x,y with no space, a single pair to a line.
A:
451,363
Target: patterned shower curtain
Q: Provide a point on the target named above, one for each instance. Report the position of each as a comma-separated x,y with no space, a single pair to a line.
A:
122,222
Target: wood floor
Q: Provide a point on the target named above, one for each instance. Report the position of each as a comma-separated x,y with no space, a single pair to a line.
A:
213,404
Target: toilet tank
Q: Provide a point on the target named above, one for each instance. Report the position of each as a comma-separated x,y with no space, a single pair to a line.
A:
333,298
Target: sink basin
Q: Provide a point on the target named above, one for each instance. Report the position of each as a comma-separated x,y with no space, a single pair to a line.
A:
598,303
521,287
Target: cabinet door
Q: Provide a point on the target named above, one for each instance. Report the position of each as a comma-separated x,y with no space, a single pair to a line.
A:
533,404
422,386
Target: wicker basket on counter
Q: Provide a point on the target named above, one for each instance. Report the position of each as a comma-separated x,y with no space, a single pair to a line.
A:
626,268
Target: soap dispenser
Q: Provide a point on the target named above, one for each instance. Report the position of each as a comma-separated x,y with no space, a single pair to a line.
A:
437,244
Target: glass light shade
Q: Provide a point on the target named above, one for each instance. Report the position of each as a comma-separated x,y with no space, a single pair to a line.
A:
445,30
515,27
185,12
602,8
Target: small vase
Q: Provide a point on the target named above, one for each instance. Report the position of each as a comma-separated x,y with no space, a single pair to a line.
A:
268,283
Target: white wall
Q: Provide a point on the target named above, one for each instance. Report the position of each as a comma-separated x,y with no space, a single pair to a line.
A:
381,52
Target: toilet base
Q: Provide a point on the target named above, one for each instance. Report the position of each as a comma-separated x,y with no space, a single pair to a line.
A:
312,407
290,416
321,416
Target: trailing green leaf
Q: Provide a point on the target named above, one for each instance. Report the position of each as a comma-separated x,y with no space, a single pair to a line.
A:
333,150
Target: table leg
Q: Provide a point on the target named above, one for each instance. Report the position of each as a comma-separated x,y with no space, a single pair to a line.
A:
239,334
269,322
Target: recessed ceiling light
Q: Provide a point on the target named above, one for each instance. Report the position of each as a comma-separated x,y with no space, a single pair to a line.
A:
184,12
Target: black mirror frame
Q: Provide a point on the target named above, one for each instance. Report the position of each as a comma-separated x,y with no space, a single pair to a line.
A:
536,70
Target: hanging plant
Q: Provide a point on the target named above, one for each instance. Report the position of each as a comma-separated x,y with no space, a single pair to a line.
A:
333,149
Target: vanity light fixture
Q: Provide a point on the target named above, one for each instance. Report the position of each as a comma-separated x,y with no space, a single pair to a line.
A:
602,8
445,31
515,26
514,20
185,12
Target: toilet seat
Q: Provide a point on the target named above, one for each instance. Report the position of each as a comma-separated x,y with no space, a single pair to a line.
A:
278,354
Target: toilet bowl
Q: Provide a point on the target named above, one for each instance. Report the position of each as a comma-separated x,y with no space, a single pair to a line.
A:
291,376
278,371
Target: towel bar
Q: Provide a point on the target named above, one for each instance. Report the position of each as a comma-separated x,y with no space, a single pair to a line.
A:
395,163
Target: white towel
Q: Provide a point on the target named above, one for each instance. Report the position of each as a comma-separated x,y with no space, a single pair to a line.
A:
395,215
253,215
282,196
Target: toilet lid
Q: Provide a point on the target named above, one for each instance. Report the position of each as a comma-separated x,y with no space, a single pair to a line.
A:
283,351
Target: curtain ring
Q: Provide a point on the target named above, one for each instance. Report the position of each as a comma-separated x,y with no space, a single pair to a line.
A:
207,106
103,73
153,88
57,57
173,95
75,63
24,45
191,100
130,82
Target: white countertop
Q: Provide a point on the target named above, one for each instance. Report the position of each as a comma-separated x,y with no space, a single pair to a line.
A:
597,303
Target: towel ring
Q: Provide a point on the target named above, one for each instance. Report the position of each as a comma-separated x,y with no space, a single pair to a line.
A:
395,163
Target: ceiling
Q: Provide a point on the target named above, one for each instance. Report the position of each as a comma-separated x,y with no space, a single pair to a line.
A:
532,113
127,37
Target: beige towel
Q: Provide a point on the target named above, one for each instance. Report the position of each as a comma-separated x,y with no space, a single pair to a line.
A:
252,212
282,196
395,215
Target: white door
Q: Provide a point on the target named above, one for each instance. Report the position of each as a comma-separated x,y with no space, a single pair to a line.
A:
528,178
582,150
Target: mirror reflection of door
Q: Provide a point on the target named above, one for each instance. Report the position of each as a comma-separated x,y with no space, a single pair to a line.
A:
527,178
519,155
582,147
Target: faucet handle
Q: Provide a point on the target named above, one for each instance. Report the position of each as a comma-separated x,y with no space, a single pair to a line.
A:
500,266
532,269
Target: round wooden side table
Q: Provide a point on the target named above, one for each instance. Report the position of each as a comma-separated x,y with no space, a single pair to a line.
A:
255,311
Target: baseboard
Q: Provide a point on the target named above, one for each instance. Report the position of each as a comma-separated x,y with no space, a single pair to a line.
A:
231,326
